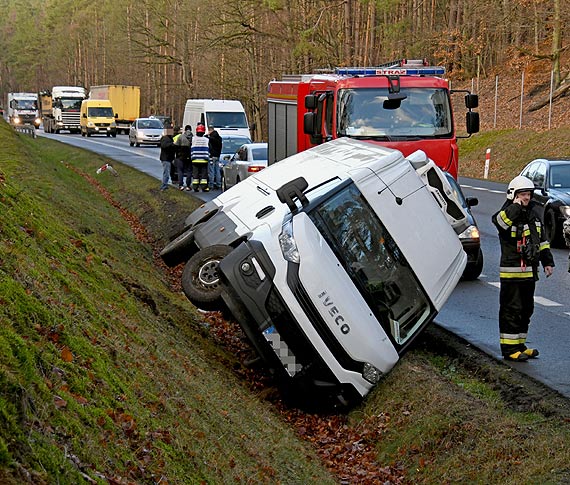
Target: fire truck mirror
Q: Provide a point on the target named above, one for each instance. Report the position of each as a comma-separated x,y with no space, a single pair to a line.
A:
311,101
309,121
472,122
471,101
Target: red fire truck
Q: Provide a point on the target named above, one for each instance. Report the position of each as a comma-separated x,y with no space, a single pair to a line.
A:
403,104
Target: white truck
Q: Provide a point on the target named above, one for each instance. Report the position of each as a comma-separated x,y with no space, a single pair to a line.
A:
22,109
227,116
332,260
61,108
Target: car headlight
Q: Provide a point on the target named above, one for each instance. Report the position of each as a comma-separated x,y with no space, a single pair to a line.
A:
470,233
16,120
371,373
565,210
90,124
288,244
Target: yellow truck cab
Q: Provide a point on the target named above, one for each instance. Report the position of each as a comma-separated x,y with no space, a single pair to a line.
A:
98,118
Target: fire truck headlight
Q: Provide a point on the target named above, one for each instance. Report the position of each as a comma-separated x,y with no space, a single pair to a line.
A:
371,373
288,244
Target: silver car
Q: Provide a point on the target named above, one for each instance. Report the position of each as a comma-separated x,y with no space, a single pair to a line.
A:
250,158
146,131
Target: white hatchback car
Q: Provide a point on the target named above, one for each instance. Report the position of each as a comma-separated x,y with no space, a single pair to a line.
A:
332,261
247,160
146,131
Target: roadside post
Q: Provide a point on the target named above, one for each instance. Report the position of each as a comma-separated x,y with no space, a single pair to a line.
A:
487,162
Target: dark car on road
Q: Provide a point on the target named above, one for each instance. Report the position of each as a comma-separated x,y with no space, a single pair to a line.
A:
551,180
470,238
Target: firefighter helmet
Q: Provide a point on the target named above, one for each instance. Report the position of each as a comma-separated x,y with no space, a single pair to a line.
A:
519,184
200,128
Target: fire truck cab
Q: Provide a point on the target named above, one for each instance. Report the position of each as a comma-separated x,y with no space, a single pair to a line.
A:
404,105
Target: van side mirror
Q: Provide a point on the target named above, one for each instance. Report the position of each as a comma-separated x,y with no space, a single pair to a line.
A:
116,115
84,115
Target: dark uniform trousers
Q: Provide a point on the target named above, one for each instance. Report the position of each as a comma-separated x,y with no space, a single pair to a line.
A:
516,308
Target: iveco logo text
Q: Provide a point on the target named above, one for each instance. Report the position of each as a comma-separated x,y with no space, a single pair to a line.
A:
334,313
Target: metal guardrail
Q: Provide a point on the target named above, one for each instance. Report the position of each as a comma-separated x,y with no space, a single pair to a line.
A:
29,130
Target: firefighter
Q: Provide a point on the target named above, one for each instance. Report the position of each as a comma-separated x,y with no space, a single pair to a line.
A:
200,156
523,247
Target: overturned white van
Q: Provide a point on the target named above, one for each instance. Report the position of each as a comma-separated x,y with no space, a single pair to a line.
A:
332,261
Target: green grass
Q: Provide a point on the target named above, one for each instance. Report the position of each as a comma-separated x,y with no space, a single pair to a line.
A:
511,150
104,371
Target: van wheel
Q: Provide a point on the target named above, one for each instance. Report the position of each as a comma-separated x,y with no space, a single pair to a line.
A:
201,280
179,249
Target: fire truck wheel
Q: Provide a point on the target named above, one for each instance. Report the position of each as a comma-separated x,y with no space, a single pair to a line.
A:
200,279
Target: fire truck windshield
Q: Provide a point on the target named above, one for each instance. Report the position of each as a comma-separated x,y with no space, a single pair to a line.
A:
373,261
424,113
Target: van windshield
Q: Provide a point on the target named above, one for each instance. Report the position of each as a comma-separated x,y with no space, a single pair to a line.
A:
226,119
100,112
373,261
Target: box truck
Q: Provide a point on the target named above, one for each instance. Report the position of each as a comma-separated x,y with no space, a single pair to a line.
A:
227,116
126,102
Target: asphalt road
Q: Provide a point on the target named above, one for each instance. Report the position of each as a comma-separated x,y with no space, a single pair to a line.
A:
472,310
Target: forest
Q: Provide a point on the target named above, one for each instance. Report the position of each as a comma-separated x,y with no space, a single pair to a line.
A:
232,48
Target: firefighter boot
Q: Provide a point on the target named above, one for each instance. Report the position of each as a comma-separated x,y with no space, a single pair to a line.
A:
532,353
517,357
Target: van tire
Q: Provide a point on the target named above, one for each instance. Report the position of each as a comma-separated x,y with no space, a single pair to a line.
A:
201,280
179,249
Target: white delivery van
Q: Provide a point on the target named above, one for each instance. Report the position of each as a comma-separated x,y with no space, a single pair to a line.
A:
332,260
225,115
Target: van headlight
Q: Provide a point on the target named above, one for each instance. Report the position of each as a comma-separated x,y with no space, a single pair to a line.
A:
288,244
371,373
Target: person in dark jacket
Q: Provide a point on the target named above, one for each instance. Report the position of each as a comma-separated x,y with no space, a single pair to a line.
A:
167,155
215,147
523,247
183,141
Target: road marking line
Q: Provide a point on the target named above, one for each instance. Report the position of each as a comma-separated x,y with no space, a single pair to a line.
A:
482,189
537,299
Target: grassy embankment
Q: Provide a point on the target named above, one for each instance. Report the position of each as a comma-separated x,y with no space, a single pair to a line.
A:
511,150
106,373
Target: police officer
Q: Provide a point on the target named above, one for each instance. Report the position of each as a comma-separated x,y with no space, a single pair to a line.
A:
523,247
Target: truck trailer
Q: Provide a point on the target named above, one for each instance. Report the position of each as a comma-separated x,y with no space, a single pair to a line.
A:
126,102
22,109
403,104
61,108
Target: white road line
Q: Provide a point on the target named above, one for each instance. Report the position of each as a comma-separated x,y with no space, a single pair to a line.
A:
482,189
537,299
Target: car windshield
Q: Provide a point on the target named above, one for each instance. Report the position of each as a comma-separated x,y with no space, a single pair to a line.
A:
231,144
150,124
101,112
373,261
226,119
560,176
259,153
424,113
